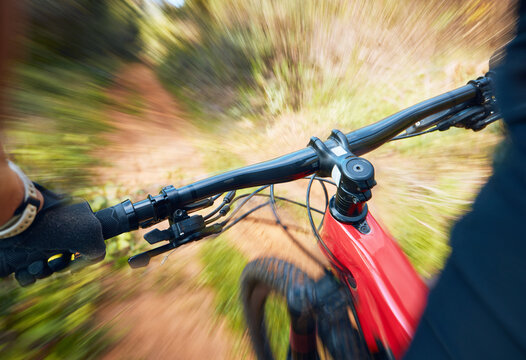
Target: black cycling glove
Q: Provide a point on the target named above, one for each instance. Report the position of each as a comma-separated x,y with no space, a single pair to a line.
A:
60,229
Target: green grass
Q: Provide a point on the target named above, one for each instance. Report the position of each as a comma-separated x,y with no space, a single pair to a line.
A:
53,319
223,265
278,323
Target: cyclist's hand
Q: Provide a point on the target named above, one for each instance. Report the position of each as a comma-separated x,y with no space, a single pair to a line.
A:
59,230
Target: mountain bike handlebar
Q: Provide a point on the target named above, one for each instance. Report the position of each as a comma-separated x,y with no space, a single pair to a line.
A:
129,216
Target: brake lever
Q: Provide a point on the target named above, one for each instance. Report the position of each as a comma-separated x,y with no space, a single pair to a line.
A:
143,259
181,227
464,119
485,122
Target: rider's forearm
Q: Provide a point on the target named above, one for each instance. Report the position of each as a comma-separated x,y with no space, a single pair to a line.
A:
12,190
11,187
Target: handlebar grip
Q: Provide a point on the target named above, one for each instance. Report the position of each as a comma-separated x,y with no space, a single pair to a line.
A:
113,220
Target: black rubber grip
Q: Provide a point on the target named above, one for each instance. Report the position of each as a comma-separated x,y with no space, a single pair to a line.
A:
113,220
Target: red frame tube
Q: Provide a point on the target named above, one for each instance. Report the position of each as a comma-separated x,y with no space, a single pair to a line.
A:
389,295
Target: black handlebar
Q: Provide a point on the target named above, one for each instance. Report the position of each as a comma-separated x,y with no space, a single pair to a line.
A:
373,136
126,216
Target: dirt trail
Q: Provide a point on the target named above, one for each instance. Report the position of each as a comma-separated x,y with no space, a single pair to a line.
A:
149,143
161,311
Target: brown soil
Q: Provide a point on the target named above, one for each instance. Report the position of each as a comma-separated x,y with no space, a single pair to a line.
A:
162,312
149,145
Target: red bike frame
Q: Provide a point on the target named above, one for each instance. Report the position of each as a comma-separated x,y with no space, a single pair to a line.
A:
388,294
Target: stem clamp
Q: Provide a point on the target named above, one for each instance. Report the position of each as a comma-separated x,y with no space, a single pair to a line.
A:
353,175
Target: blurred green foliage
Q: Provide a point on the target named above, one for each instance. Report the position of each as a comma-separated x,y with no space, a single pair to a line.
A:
81,29
223,265
53,319
232,58
71,50
58,116
277,321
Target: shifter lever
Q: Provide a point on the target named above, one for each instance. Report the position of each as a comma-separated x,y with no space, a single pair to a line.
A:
182,226
157,235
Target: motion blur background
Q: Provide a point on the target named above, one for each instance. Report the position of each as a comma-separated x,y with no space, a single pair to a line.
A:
115,99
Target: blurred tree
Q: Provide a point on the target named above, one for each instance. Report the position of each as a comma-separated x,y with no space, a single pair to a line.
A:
79,29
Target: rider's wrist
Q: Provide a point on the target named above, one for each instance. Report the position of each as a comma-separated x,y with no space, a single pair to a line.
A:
11,193
20,199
